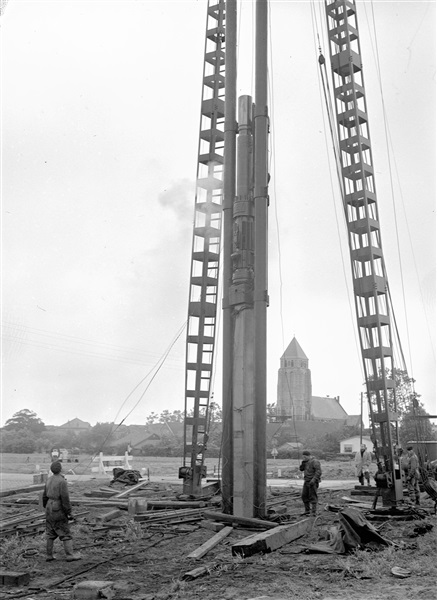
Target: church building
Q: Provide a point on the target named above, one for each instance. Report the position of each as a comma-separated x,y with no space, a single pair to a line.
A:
295,399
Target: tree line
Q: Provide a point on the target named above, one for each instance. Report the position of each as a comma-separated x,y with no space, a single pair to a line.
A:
34,436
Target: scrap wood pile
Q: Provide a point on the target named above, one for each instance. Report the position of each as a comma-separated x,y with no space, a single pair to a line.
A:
152,506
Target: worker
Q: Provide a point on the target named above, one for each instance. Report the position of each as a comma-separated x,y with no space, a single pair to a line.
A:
413,476
404,462
311,479
363,458
56,501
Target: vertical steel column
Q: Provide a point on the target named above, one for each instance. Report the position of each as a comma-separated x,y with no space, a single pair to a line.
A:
261,122
228,200
241,298
361,211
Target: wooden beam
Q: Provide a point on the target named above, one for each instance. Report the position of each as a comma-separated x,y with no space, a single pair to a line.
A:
244,521
22,490
132,489
14,578
211,543
112,514
174,504
267,541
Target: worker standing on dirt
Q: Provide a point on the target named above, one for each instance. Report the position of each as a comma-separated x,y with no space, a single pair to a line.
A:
311,479
363,458
413,476
56,501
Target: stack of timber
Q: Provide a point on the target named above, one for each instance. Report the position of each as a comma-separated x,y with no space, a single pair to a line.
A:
22,490
25,523
170,517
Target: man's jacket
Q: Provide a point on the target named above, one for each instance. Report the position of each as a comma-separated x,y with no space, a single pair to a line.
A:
312,470
56,499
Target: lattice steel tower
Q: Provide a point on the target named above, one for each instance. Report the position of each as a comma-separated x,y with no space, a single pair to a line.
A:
370,283
205,258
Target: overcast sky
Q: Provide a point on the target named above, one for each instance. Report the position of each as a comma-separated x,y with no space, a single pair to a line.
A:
100,116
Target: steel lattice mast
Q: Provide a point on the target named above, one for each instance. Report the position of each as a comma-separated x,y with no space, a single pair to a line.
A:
361,211
205,258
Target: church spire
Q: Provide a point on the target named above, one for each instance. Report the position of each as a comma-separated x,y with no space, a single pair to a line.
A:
294,350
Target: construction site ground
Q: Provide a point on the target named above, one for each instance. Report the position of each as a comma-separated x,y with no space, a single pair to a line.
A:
150,561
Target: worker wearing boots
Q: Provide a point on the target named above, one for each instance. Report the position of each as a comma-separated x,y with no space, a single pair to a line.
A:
311,479
413,476
56,501
363,458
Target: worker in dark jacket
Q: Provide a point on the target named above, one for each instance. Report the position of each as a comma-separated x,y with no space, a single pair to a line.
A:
311,479
56,501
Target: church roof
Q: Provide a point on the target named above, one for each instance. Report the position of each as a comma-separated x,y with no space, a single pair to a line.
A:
327,408
294,350
76,424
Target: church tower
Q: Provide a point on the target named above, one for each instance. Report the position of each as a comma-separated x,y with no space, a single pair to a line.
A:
294,384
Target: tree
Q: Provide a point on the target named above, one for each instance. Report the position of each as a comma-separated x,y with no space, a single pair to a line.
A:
25,419
414,427
97,438
165,417
215,412
25,443
406,396
152,418
177,416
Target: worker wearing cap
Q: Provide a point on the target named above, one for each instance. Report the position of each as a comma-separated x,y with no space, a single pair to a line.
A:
413,476
363,458
311,479
56,501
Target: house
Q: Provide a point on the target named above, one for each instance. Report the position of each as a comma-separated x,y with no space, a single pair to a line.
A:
352,444
76,426
149,435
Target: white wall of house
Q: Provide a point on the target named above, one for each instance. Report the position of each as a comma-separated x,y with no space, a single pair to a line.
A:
353,444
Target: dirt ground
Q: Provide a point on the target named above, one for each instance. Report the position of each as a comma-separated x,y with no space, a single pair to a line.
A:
149,563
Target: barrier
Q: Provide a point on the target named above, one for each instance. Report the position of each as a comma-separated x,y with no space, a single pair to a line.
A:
107,463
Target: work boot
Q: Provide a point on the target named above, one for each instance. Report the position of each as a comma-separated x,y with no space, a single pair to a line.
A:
49,550
313,509
307,509
71,555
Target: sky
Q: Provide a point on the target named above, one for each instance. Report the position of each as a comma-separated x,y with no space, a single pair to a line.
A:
100,113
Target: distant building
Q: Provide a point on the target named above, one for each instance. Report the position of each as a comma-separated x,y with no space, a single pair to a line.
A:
294,384
76,426
352,444
295,399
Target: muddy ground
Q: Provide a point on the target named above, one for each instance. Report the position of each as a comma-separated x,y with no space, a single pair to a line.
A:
150,562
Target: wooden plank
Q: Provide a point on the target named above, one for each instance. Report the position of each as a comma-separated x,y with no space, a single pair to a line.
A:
137,486
154,516
112,514
173,504
190,575
19,520
22,490
211,526
267,541
212,543
244,521
14,578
